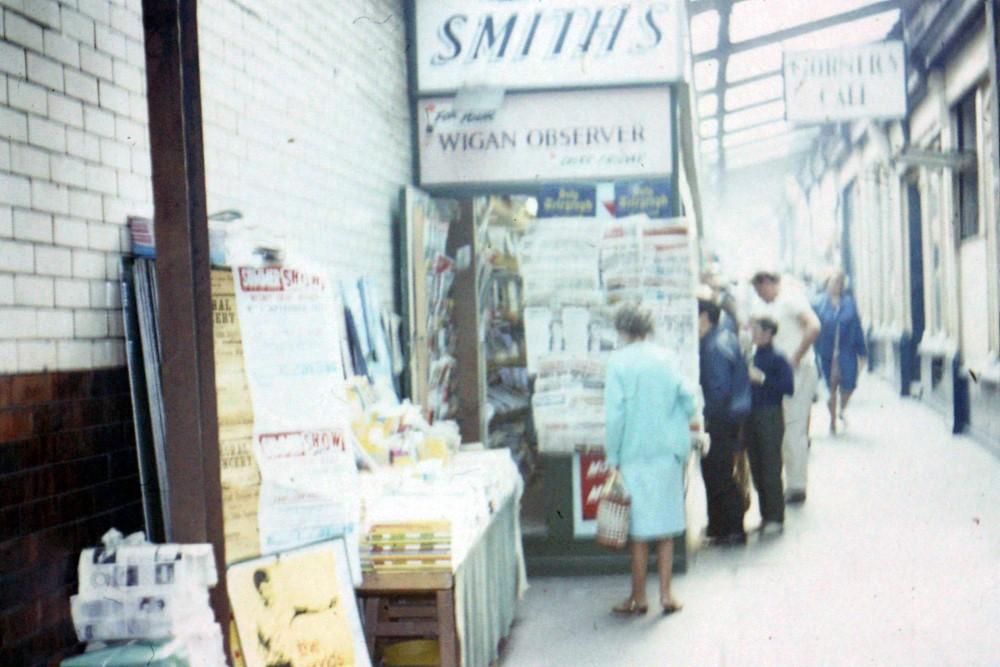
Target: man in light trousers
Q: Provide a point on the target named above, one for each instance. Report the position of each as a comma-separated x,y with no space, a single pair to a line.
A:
798,328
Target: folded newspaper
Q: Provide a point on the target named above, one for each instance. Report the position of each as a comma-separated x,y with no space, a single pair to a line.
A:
133,590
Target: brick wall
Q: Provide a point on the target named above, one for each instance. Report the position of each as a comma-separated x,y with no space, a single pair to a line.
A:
74,163
307,124
306,133
68,473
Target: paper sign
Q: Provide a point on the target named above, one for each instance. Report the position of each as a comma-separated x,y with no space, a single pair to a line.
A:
560,201
652,198
590,473
297,609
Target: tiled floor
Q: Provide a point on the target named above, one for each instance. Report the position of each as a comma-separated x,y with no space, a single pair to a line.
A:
893,560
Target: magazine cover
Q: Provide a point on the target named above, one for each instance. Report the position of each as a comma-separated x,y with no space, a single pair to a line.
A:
297,609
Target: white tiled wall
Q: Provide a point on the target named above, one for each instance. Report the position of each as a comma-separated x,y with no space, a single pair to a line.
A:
307,123
74,162
306,133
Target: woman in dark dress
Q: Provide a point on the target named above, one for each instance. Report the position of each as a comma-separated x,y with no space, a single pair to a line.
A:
840,346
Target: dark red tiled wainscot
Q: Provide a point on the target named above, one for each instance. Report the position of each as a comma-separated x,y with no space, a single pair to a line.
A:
68,473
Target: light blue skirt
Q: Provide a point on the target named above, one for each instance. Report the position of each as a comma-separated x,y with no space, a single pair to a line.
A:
656,487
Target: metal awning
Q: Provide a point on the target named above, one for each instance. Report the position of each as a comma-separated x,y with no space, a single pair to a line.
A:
737,48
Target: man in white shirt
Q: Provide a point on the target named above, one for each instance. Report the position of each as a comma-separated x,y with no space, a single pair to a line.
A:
798,328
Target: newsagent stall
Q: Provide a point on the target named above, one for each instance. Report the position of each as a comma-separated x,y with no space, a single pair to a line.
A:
550,192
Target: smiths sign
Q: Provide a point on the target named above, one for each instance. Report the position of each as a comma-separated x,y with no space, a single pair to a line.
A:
846,84
527,44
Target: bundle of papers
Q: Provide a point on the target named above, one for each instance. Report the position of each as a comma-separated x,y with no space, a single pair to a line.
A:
427,517
408,546
131,589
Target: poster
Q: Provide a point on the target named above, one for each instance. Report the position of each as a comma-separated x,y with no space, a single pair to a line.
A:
298,609
590,473
291,324
238,465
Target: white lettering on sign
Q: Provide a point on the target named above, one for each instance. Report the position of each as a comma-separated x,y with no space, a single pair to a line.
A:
611,133
846,84
523,44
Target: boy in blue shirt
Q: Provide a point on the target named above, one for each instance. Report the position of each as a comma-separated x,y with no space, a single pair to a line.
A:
772,379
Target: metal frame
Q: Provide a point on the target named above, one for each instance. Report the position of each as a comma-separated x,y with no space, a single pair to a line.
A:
184,286
725,49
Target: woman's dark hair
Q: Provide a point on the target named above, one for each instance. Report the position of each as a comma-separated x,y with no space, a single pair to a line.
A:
711,309
634,321
259,577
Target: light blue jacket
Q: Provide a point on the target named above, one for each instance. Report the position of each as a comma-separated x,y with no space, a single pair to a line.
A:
647,407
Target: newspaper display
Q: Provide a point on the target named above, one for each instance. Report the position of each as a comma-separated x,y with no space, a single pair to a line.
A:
576,272
131,589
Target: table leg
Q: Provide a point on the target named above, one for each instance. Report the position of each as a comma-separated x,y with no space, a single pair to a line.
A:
447,639
371,622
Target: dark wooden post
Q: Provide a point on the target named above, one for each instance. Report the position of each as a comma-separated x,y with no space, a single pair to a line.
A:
194,505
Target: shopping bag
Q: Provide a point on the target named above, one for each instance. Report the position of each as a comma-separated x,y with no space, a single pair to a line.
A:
613,514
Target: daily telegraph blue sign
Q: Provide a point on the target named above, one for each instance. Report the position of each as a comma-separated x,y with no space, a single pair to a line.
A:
654,198
567,201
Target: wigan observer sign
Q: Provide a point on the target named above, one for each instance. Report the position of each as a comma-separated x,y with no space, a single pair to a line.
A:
527,44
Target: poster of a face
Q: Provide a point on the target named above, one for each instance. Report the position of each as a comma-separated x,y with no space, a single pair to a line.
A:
298,609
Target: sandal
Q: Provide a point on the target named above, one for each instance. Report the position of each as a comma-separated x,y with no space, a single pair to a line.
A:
630,608
671,608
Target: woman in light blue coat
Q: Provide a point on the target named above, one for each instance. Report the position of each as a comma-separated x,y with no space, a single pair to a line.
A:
647,412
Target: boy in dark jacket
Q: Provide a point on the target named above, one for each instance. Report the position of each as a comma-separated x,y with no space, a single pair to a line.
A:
772,380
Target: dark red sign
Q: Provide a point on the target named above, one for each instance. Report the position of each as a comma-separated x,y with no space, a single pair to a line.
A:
593,474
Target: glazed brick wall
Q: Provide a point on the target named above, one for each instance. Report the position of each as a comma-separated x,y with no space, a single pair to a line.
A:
307,125
74,164
306,132
68,473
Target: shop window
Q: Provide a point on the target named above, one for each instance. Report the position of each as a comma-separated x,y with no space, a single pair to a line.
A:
967,180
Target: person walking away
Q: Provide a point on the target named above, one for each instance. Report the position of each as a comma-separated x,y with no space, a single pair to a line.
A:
772,380
841,345
647,415
726,389
798,329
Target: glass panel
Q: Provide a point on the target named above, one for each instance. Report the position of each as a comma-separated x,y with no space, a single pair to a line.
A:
709,127
755,61
762,132
755,18
708,105
852,33
704,31
770,88
706,74
754,116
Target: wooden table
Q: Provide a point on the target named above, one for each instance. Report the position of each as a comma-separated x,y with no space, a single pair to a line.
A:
411,605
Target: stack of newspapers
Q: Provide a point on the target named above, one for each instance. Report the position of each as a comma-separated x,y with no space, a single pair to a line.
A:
133,590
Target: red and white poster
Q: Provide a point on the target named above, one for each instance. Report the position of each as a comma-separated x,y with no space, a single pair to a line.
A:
590,472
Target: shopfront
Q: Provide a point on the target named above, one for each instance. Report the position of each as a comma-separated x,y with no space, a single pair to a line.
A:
549,191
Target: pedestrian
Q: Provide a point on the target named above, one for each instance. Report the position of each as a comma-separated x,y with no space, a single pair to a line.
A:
841,345
725,386
648,411
772,380
798,328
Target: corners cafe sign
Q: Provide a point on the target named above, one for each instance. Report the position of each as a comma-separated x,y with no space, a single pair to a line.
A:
846,84
530,44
